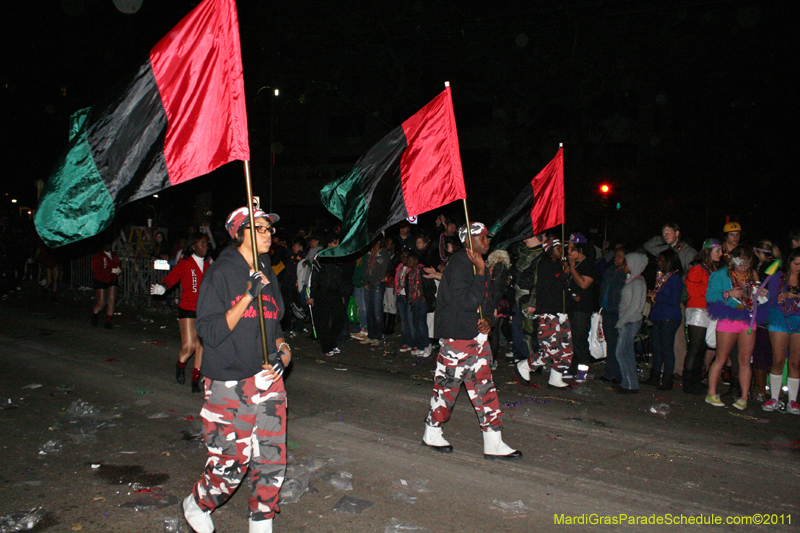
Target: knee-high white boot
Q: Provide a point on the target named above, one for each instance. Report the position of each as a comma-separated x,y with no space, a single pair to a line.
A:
495,448
433,438
555,381
199,520
261,526
524,369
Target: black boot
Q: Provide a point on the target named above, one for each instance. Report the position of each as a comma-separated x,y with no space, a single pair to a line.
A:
690,386
666,382
388,323
654,380
180,372
196,380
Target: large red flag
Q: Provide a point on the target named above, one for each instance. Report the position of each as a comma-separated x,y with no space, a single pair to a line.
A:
548,195
182,116
198,69
414,169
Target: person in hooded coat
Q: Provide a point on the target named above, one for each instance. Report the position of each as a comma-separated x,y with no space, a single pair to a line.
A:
631,313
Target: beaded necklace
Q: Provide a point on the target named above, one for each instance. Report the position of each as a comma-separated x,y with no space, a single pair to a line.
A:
661,279
788,305
746,284
707,267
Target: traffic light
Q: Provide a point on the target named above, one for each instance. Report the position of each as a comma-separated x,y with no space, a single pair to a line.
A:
605,189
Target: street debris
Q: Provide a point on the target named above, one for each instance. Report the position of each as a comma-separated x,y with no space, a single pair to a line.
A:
342,480
51,446
398,526
21,520
349,505
660,409
512,508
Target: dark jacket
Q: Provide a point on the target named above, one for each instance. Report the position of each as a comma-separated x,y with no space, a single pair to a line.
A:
611,290
327,280
550,285
236,355
461,291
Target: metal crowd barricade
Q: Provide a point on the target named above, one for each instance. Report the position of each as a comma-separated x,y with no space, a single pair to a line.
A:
134,282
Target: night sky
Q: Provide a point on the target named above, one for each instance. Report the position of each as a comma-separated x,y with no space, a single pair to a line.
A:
685,107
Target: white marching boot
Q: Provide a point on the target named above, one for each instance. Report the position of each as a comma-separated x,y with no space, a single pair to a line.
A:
495,448
261,526
524,369
432,438
555,381
199,520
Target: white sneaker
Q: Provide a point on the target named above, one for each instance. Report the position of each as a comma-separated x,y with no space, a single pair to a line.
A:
261,526
416,352
361,335
198,520
427,351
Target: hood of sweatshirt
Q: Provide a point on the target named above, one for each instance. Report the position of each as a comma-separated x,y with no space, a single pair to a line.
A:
637,263
232,255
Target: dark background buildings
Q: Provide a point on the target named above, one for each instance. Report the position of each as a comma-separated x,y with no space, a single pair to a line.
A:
685,107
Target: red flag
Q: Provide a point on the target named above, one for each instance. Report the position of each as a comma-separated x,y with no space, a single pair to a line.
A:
198,70
413,169
431,164
181,116
548,195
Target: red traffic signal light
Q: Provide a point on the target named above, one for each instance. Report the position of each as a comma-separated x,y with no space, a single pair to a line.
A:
605,189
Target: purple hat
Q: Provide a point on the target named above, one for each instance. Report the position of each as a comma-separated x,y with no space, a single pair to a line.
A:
577,238
711,243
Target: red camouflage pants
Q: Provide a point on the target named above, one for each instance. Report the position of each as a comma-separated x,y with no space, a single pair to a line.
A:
244,428
468,362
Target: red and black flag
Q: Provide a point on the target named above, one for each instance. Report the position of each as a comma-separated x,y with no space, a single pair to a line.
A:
540,204
414,169
182,116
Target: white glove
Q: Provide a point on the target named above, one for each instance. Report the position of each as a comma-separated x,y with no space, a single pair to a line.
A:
262,383
117,271
157,289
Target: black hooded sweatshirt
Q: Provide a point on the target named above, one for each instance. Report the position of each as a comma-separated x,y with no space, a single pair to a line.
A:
461,291
236,355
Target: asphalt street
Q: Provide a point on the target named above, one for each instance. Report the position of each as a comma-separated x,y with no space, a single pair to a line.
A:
130,449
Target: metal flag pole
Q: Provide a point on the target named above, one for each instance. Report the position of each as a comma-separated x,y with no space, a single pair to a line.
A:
256,266
469,233
563,240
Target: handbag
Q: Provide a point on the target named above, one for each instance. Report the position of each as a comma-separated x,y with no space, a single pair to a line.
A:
597,339
711,334
352,310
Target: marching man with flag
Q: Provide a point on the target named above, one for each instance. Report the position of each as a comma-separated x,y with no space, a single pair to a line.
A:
465,356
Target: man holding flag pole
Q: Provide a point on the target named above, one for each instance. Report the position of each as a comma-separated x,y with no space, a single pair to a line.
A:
181,116
462,323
